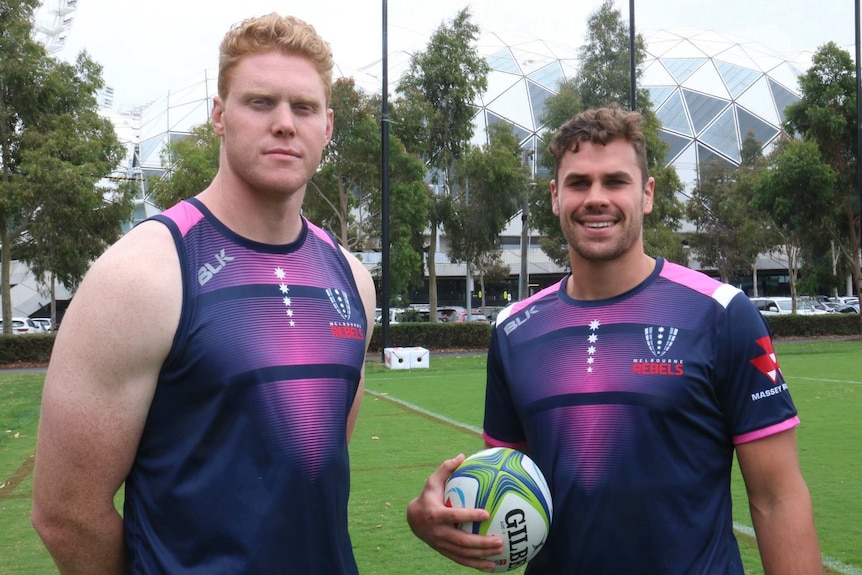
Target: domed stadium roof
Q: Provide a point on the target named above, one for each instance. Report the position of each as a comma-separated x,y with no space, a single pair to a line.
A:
711,91
525,71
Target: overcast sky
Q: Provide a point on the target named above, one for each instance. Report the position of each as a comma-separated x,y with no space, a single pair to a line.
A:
149,48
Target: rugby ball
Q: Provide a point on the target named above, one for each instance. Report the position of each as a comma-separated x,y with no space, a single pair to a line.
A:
510,486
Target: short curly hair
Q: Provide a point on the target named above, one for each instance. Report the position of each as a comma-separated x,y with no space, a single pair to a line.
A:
273,32
601,126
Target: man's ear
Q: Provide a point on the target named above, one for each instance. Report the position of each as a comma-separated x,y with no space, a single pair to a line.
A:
217,116
649,195
554,198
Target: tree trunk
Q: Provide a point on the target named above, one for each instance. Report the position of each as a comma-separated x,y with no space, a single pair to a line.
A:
792,271
754,278
5,275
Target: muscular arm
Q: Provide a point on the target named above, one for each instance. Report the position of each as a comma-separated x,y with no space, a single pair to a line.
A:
100,382
780,505
365,284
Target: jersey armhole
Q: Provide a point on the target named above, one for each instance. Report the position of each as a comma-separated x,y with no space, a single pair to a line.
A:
186,312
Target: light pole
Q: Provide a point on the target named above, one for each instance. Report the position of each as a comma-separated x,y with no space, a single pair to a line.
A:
384,191
524,277
633,59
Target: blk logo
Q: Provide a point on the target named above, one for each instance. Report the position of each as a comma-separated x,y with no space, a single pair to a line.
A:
519,321
209,270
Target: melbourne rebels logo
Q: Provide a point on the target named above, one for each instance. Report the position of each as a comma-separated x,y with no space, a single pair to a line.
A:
340,302
660,339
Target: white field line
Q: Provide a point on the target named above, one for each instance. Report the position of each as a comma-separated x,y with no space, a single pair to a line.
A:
744,529
828,561
422,410
826,380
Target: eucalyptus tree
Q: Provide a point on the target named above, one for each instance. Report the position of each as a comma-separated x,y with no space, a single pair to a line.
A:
827,115
729,234
55,148
795,190
492,181
190,165
439,89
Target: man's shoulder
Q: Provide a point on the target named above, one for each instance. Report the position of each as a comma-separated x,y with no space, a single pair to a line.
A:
544,297
699,282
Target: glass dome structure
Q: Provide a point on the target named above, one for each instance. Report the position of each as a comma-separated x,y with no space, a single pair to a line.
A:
711,91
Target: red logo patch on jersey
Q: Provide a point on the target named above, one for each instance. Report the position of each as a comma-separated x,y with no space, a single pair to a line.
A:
767,363
344,331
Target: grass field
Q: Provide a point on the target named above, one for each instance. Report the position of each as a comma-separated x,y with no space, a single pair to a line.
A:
412,420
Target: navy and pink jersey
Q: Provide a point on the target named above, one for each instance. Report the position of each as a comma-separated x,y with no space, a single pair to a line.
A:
632,406
243,463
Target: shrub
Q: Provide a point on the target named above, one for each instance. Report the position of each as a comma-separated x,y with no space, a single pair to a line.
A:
838,324
437,336
28,348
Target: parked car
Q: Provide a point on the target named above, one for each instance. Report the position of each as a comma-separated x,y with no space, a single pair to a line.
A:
784,305
847,308
22,325
844,300
462,316
395,314
448,313
44,323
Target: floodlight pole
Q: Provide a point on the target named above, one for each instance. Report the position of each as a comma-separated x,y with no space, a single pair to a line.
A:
633,59
859,115
384,190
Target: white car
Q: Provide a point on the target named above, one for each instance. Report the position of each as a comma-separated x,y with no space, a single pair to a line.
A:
784,305
844,300
22,325
44,324
394,315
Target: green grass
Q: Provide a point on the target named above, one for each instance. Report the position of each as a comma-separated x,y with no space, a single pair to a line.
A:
20,549
399,441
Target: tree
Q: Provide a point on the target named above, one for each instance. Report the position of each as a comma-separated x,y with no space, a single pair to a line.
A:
795,189
408,217
827,114
442,81
729,234
54,149
350,167
345,197
491,184
604,78
190,164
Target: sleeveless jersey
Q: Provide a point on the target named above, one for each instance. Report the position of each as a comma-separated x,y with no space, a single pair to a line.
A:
631,407
243,463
